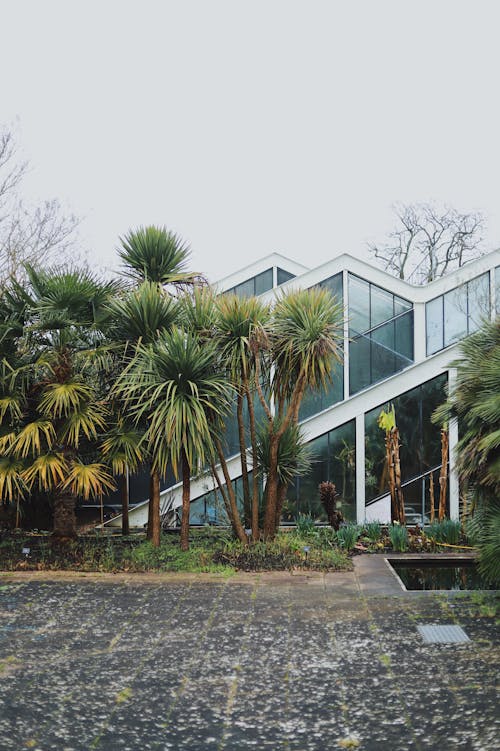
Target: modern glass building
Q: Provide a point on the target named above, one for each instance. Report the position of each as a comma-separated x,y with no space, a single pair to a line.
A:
399,344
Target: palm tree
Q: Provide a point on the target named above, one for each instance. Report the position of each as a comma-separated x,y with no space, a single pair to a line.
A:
475,402
155,259
175,384
53,403
240,332
305,334
122,450
157,255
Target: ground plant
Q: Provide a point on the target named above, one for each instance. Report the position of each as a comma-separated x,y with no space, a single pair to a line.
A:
348,535
211,551
398,535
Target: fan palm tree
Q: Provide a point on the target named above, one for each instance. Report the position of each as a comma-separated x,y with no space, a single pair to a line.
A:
54,408
475,402
175,385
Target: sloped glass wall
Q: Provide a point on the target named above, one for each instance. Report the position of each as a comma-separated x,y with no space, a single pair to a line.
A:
457,313
380,332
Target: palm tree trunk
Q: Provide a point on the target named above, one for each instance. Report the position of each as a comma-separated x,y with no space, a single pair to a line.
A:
443,475
123,483
244,465
255,467
64,516
153,533
271,490
234,516
186,497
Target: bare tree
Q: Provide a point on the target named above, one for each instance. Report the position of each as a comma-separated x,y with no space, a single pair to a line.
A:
28,234
429,242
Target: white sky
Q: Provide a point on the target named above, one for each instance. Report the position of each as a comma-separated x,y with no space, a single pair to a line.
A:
252,126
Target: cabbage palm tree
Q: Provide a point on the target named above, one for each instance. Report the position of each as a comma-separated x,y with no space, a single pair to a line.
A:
53,407
174,383
155,259
305,335
157,255
475,402
240,331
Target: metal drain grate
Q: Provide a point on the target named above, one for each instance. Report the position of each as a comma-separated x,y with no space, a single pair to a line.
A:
443,634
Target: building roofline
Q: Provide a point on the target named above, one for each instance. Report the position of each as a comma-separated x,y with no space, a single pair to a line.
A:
258,266
401,287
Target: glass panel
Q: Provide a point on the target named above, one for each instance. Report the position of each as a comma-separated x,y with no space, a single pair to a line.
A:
434,325
403,339
334,284
497,290
420,438
308,494
479,301
245,289
342,469
284,276
359,364
334,461
382,305
383,362
359,305
401,305
316,401
455,315
264,282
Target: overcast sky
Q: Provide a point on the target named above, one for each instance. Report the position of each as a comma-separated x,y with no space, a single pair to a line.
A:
252,126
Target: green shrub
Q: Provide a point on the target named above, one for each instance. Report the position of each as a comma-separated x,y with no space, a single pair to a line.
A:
305,524
398,535
447,531
287,551
373,530
347,536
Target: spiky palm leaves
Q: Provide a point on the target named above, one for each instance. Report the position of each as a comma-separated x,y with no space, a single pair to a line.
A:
174,384
475,402
157,255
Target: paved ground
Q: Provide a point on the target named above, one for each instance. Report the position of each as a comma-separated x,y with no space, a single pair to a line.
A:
253,662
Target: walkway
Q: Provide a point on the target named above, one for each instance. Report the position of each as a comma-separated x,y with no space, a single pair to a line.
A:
270,661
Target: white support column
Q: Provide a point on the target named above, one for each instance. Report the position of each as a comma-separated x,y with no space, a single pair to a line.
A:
494,303
360,468
453,440
419,338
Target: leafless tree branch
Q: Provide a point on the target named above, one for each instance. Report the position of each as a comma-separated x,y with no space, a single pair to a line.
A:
429,242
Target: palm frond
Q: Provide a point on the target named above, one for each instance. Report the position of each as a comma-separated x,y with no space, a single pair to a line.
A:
35,437
155,254
12,486
88,480
61,399
46,471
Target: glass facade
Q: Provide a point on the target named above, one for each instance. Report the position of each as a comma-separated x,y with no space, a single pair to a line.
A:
457,313
335,285
420,440
381,333
334,460
260,283
283,276
497,290
316,401
256,285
